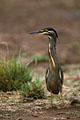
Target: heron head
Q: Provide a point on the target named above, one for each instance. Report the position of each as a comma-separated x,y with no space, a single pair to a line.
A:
46,31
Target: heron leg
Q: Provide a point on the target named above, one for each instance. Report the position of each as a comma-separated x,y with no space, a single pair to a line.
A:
51,94
61,95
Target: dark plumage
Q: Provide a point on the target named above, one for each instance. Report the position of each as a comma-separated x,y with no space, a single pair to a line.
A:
54,81
51,29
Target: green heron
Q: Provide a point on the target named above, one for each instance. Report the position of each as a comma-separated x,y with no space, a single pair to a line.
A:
54,73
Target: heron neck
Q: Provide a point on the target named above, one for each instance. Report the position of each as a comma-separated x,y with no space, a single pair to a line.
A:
52,53
52,41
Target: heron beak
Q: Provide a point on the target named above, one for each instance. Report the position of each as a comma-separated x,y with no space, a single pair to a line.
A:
36,32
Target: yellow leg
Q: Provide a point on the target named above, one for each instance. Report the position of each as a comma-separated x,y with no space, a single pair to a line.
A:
62,97
51,94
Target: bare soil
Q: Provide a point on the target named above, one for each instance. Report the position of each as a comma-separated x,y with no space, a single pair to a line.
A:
40,110
43,113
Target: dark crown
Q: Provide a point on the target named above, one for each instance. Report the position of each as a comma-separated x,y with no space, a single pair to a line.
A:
51,29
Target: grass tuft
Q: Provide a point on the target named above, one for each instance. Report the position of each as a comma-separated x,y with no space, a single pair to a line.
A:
33,90
13,75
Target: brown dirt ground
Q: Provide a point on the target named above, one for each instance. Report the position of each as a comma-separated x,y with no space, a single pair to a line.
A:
17,19
12,107
43,113
39,109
